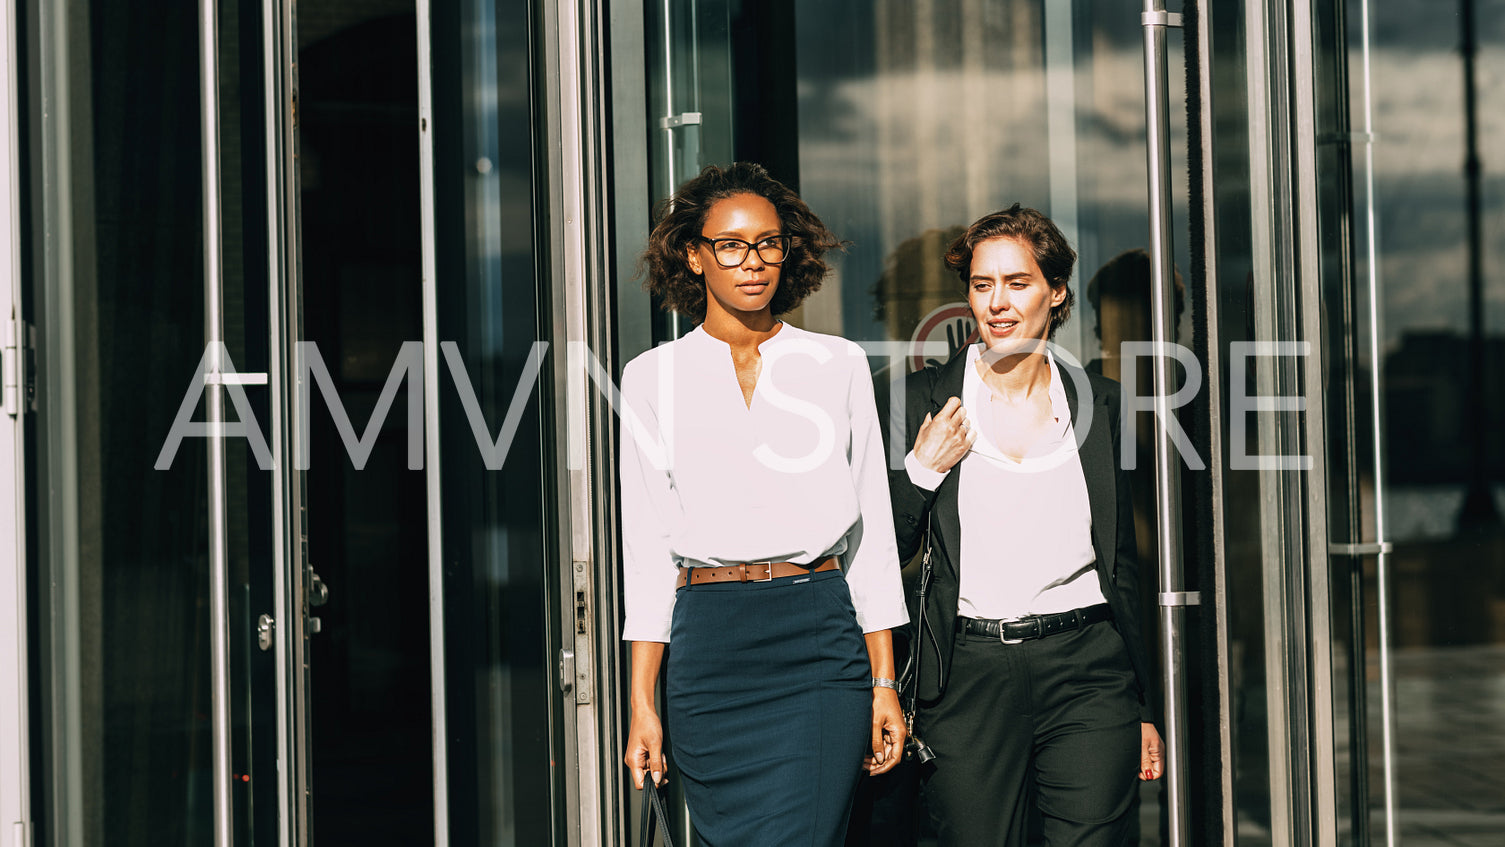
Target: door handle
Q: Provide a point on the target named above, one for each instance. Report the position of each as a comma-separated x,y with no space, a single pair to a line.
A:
318,592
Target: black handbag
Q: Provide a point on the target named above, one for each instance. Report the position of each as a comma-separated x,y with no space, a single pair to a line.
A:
654,819
920,632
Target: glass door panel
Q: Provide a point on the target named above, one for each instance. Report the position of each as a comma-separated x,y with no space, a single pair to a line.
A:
1411,209
1359,550
508,746
900,124
121,490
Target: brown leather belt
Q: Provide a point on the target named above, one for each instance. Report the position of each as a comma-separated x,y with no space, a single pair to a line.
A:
753,571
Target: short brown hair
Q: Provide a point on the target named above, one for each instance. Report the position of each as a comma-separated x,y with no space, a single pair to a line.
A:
682,216
1034,230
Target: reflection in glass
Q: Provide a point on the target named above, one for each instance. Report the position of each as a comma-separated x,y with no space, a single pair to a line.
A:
501,603
1439,261
911,121
123,557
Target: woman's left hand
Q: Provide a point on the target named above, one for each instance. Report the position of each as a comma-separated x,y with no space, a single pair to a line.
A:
889,733
1151,753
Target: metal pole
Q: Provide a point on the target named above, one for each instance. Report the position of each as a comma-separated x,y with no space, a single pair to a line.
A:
1381,533
672,175
219,565
1173,600
431,423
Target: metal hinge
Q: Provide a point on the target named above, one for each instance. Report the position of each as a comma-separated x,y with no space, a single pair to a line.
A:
677,121
18,344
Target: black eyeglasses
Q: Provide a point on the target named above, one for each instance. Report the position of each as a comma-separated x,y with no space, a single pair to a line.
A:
732,252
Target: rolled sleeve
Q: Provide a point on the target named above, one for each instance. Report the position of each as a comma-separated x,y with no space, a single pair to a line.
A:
872,567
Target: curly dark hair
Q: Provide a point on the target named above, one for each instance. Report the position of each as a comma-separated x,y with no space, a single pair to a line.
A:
1052,252
682,216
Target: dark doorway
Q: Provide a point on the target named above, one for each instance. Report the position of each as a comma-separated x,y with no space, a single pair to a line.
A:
371,724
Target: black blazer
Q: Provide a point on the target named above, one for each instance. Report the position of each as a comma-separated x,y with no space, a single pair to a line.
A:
925,392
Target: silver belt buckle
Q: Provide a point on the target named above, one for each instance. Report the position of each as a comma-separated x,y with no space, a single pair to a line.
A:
768,564
1001,623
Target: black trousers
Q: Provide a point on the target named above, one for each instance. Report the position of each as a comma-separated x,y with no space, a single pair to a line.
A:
1052,721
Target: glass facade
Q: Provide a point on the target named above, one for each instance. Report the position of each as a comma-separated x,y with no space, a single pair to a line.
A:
428,222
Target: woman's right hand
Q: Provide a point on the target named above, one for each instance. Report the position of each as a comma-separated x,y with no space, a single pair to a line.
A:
645,747
944,437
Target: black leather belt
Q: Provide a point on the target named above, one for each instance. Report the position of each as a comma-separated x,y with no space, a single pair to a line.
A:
1029,627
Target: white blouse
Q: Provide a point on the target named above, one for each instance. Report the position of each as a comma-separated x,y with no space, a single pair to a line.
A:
1026,525
797,476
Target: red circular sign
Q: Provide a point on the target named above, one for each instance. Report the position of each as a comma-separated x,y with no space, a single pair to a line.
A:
952,324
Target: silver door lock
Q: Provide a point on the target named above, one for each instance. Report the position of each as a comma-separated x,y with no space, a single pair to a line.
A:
318,592
265,628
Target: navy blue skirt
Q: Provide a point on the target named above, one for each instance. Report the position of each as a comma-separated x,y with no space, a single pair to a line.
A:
769,709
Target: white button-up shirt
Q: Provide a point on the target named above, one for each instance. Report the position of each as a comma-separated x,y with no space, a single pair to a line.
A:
797,476
1026,540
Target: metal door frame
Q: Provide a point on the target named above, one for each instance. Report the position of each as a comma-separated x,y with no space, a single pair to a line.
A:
580,283
290,567
1297,568
15,731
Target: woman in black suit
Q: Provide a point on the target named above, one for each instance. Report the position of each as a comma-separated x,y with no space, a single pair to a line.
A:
1036,687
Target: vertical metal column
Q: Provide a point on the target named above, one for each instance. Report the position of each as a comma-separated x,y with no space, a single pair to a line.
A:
431,422
1062,152
1173,600
15,735
1376,399
672,179
290,636
575,225
673,121
214,335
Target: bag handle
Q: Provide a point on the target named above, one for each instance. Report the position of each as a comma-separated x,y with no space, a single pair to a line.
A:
653,811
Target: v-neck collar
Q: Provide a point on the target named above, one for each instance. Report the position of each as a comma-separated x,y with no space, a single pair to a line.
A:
699,334
977,396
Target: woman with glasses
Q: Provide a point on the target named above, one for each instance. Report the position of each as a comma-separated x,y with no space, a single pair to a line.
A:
758,542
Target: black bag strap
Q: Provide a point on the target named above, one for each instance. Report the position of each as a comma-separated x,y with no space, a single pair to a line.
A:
925,631
920,629
909,680
653,812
